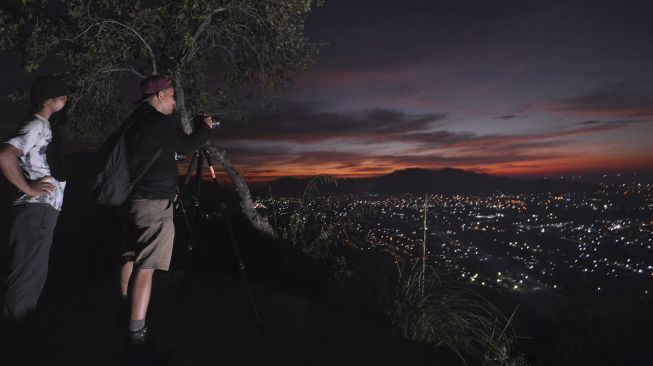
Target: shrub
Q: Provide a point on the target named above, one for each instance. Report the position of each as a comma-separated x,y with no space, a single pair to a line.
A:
429,310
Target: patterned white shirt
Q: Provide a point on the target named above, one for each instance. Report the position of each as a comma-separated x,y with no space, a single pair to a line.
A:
32,141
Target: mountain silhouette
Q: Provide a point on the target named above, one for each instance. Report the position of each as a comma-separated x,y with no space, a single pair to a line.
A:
418,181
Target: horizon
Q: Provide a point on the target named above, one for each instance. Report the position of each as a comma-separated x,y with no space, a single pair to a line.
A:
586,177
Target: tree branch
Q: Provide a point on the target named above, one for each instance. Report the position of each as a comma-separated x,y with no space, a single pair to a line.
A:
114,22
255,51
250,14
192,49
127,69
149,49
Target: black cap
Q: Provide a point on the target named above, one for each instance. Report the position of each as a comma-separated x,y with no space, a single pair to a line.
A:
47,87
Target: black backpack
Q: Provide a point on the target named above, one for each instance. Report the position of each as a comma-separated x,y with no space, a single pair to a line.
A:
110,183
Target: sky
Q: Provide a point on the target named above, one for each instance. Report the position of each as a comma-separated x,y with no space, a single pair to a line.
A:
511,87
505,87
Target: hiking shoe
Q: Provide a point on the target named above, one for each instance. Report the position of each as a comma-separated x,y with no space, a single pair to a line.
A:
137,338
140,348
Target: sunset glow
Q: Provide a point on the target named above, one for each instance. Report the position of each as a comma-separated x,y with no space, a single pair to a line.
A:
520,90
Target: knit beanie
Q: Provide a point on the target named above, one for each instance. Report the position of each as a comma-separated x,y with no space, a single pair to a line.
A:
47,87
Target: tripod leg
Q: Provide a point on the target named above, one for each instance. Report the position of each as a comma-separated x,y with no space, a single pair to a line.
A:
196,161
241,265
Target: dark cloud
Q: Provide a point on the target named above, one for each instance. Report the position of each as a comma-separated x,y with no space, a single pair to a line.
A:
615,123
508,116
436,138
488,158
294,122
270,144
277,155
529,146
619,100
298,124
545,139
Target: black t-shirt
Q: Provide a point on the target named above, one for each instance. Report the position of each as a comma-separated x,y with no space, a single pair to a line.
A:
151,131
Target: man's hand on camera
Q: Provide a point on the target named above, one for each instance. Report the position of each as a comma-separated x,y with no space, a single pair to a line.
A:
208,120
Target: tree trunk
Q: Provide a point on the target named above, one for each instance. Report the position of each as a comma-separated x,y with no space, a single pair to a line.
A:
259,222
181,103
246,204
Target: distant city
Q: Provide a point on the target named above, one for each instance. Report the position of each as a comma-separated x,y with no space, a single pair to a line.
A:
601,240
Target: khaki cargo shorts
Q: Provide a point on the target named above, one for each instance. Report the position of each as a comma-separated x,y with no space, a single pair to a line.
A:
148,233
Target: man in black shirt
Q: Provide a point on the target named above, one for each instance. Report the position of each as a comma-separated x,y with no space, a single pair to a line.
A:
148,212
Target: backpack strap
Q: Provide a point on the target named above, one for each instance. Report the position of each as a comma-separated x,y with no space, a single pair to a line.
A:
148,166
123,130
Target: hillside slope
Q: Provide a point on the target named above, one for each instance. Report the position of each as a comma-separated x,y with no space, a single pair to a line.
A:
213,323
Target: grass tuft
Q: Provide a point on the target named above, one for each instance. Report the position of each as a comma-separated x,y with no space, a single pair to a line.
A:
430,310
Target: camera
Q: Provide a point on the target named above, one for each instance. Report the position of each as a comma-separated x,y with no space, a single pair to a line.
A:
215,122
215,119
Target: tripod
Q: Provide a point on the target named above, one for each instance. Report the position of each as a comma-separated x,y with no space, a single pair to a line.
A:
200,156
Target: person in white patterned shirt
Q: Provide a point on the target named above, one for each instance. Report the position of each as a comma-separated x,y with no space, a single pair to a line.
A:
24,161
